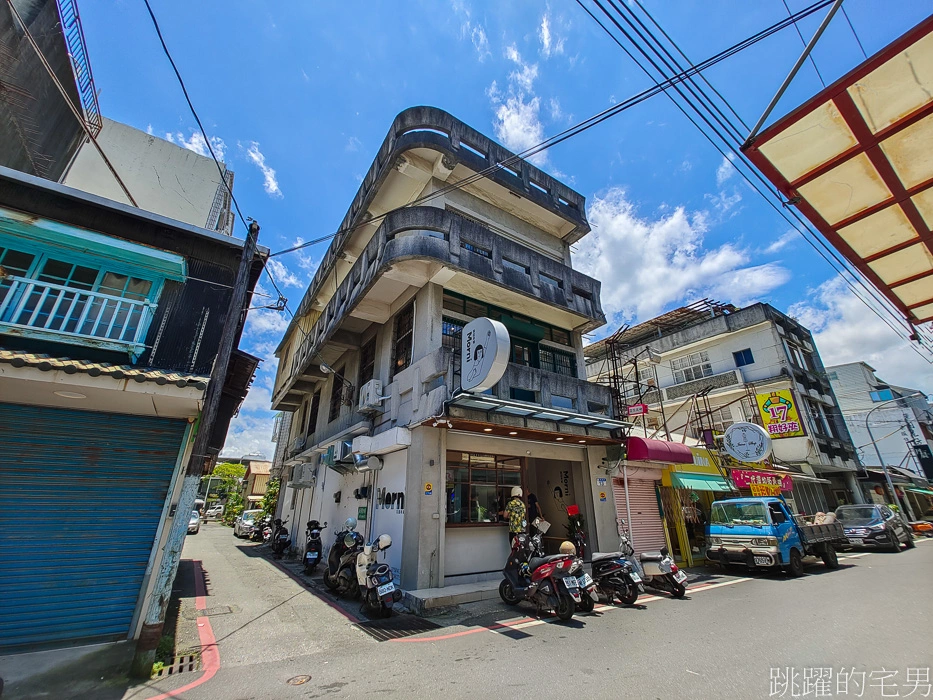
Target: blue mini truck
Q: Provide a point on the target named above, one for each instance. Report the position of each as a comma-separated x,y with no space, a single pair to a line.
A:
762,533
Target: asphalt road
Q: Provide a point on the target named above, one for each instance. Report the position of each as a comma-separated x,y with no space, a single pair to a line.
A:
724,640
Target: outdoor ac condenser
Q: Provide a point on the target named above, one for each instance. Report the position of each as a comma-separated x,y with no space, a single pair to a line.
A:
371,397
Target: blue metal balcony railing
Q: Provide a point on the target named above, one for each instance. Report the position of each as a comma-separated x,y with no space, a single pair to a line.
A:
77,51
28,305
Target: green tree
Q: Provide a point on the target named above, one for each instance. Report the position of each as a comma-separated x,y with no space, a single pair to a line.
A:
271,497
230,475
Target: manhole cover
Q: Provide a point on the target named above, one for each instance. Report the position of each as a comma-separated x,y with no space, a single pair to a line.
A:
209,612
396,627
298,680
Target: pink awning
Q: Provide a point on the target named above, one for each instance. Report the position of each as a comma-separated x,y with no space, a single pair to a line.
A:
646,450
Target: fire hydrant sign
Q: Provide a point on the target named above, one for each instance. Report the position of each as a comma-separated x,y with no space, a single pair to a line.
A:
779,414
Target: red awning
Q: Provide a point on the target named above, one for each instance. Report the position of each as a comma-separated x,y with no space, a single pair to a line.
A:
645,450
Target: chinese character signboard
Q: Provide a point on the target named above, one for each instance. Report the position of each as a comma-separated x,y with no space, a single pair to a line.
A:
779,413
773,483
637,409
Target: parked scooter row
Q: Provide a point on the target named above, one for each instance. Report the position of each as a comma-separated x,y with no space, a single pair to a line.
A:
558,582
353,570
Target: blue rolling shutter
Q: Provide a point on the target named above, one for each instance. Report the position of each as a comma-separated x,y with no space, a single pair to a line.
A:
82,496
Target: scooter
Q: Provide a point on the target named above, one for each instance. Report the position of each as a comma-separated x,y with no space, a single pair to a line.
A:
375,580
616,577
340,574
313,546
280,539
548,582
589,592
657,569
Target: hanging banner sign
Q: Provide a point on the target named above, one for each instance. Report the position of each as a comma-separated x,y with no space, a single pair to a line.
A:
765,490
746,479
485,347
779,414
638,409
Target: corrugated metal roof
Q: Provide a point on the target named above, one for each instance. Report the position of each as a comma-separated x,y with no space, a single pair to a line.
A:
47,363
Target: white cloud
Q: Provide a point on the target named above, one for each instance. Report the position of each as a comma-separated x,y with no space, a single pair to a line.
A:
149,130
282,275
195,142
517,122
549,42
270,184
782,242
725,170
262,321
846,331
525,76
480,42
353,144
646,265
556,111
251,432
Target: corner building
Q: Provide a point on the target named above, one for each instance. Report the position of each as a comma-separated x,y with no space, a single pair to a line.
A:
369,367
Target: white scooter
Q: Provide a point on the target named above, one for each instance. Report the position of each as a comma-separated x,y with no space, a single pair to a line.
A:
657,569
377,586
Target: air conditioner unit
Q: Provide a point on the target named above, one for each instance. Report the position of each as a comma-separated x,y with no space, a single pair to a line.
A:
305,475
371,397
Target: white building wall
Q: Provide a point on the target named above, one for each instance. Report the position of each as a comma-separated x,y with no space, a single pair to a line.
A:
163,178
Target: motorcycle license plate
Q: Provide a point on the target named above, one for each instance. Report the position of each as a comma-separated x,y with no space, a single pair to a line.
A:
571,583
635,577
312,555
856,540
762,561
680,576
585,581
385,589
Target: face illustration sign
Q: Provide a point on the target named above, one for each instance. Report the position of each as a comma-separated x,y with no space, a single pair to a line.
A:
484,352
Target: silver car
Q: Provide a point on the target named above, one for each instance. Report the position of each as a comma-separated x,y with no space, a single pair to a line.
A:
245,521
194,523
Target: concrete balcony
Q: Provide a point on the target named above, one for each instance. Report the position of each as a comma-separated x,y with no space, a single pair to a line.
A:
716,381
423,243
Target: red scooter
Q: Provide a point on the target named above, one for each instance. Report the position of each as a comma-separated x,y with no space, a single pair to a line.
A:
551,583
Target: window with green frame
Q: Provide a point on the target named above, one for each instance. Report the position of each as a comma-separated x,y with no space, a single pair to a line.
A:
478,486
76,297
528,352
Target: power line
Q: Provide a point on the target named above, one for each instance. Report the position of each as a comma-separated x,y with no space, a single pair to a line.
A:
194,113
852,27
724,122
586,124
804,42
70,104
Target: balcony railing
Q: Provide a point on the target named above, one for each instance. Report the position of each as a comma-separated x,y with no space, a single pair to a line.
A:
716,381
115,323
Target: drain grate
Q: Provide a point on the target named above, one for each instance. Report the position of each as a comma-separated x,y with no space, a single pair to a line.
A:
396,627
181,664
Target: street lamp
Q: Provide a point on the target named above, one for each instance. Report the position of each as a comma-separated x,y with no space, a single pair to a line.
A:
884,467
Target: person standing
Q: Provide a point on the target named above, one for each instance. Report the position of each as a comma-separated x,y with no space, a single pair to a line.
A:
515,510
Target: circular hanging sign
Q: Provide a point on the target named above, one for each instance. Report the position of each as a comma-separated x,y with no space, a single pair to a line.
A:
747,442
485,347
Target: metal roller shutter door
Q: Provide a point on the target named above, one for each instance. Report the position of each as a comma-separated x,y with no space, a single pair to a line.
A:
83,494
646,528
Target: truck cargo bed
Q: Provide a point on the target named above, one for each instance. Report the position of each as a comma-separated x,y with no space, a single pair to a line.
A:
815,534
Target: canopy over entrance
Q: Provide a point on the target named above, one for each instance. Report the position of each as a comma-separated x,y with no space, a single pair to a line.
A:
647,450
856,161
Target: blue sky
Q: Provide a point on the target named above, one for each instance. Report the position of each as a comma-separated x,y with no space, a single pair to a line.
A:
299,95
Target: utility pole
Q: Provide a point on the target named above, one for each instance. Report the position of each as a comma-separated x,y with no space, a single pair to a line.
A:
157,603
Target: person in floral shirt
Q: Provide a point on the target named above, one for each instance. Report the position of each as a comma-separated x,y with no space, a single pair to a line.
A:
515,510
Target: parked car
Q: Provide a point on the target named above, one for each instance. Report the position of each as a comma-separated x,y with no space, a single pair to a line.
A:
194,523
874,526
215,511
244,522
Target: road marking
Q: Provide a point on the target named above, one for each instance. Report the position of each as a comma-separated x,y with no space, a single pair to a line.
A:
526,622
210,654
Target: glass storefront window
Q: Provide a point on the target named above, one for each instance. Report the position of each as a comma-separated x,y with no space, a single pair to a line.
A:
478,486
